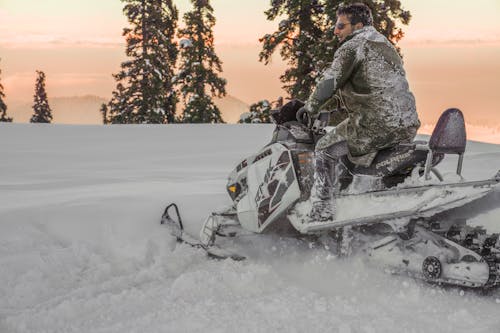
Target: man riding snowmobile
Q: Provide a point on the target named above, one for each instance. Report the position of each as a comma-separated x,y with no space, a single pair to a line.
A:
368,76
397,220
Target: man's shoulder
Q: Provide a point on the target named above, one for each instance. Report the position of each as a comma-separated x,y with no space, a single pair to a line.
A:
369,39
358,37
367,33
348,49
372,35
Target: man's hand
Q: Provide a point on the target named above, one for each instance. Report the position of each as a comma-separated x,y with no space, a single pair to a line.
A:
303,116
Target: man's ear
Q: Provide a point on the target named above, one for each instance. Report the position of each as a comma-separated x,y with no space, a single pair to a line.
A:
358,26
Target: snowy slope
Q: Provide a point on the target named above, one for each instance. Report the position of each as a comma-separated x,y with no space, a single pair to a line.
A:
81,248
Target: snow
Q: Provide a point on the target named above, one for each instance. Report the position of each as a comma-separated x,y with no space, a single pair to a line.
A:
245,115
185,43
82,250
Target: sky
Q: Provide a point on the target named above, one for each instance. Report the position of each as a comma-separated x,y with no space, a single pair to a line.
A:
52,23
451,56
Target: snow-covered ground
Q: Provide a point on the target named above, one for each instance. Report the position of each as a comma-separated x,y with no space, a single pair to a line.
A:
82,250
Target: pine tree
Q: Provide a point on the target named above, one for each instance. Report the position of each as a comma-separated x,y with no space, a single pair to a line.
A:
200,66
260,112
145,90
307,40
297,35
385,16
41,109
104,113
3,106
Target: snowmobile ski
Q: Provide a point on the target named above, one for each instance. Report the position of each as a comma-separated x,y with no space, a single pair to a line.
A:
177,230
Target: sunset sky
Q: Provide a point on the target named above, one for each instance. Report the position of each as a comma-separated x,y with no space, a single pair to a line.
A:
451,51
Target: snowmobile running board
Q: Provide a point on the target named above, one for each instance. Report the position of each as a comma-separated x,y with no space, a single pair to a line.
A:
478,183
416,212
177,230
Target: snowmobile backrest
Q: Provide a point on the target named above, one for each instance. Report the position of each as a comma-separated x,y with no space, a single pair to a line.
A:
448,137
449,134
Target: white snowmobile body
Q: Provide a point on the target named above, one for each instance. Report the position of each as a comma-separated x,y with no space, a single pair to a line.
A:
272,187
269,189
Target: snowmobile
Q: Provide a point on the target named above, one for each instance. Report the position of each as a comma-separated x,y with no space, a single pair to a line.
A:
392,212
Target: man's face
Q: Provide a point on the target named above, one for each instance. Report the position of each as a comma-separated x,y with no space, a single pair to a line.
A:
343,27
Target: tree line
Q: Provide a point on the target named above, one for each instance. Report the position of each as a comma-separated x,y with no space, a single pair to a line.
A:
41,109
167,65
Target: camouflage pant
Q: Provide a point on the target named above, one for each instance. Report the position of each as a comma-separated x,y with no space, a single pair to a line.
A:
326,170
330,148
339,134
333,137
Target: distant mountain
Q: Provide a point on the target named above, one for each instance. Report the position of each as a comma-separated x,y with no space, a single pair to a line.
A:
231,108
65,110
85,109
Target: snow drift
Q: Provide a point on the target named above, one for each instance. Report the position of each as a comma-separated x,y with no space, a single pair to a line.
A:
82,250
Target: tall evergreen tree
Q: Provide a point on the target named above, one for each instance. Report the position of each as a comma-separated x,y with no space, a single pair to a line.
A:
309,44
145,89
200,66
104,113
297,35
41,109
3,106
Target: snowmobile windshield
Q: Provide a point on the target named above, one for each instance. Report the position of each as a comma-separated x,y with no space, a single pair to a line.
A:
292,131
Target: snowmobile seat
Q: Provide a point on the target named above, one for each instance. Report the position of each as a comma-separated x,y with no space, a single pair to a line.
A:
393,165
448,137
400,159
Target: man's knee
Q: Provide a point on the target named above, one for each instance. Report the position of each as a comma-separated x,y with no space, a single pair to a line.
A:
333,151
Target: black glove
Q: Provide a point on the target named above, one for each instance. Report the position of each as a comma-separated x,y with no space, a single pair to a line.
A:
303,116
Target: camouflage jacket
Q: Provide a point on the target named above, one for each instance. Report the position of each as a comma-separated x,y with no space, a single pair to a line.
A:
367,74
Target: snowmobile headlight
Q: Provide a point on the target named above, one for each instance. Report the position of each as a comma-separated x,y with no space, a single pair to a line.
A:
234,190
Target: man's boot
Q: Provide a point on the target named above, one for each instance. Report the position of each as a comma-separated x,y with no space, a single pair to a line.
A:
323,205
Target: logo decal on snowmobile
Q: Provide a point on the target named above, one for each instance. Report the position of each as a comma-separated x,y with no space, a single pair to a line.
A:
392,163
276,181
241,166
265,153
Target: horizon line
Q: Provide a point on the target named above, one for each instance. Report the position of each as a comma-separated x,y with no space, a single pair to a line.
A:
61,43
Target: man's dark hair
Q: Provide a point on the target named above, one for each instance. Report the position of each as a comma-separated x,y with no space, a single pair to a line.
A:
357,12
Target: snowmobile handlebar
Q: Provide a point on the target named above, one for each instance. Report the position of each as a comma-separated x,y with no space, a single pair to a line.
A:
303,116
321,121
295,110
316,125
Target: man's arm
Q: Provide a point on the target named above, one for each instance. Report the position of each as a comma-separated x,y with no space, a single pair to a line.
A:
333,78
